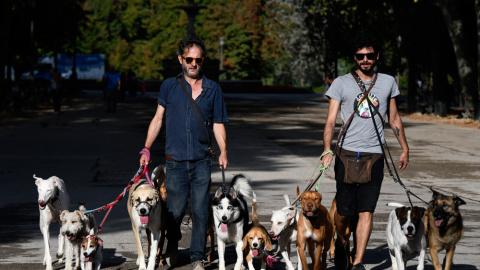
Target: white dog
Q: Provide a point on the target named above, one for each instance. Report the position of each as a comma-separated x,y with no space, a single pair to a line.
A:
230,215
75,226
406,235
284,230
92,251
52,199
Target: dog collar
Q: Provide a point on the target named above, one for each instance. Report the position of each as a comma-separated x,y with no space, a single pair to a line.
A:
99,246
311,218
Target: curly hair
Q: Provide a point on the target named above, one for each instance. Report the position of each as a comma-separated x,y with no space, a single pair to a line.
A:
364,40
189,42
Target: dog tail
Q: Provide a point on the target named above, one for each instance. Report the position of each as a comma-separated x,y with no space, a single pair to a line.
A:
158,173
394,204
287,199
82,206
242,185
255,219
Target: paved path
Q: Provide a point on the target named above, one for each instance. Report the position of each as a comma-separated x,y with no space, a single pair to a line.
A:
276,140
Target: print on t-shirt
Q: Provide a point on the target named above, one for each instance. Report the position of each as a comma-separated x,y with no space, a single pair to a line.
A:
362,109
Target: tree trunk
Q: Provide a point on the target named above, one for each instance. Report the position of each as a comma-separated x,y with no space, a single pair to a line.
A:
464,54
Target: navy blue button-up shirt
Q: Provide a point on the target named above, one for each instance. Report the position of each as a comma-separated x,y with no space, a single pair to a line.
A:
184,139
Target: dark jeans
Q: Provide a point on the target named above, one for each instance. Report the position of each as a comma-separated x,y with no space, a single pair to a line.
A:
111,97
182,177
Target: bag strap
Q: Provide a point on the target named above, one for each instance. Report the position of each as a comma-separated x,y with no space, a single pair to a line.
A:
363,89
198,112
347,124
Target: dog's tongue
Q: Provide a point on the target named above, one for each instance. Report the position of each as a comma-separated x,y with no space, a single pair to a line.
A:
438,222
87,259
309,213
144,219
42,207
224,227
276,237
255,252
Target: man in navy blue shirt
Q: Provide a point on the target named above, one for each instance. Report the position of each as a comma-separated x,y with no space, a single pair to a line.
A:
188,160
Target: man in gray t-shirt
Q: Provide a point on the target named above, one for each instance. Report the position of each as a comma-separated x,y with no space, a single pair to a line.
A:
360,137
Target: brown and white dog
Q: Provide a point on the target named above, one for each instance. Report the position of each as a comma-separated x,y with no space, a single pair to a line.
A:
314,227
444,227
91,252
256,242
406,235
147,211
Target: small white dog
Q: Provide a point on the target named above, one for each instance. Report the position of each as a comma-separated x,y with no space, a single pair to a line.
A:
52,199
92,251
406,235
75,226
284,230
230,215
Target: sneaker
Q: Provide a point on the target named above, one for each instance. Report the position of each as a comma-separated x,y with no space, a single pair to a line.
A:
198,265
359,267
171,254
341,258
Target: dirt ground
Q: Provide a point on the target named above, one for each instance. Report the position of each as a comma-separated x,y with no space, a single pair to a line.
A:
449,119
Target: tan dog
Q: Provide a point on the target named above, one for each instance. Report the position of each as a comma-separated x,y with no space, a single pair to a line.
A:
256,240
314,227
348,232
444,227
147,211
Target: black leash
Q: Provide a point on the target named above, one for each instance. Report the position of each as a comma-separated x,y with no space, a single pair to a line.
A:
370,106
198,113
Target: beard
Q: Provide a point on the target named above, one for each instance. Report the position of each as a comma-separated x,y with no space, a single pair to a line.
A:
193,75
366,70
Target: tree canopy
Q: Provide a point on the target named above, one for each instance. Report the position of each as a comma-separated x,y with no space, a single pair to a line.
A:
292,42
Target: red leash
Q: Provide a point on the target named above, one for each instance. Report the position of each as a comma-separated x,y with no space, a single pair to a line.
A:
141,171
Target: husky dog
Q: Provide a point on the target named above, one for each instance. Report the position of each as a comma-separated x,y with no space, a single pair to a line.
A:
230,215
52,199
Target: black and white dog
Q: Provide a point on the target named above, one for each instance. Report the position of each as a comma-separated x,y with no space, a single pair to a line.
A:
230,214
406,235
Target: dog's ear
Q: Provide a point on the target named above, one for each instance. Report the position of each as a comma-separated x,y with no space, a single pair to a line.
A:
64,212
245,242
233,193
419,210
458,201
435,194
399,210
55,180
37,180
219,192
291,215
268,242
79,214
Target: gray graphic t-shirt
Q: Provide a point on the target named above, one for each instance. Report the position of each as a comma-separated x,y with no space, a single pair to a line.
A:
361,135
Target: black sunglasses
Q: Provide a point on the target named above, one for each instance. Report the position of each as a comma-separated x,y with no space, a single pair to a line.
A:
360,56
190,60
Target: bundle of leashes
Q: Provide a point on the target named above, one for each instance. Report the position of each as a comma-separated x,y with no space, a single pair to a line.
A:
372,108
143,170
